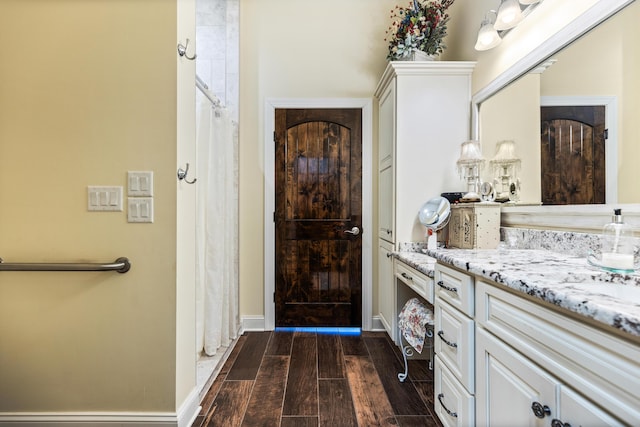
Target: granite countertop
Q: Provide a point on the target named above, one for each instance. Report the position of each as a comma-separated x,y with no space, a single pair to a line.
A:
566,281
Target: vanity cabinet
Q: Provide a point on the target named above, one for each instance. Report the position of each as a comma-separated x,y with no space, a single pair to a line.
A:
528,363
578,374
408,283
454,328
423,115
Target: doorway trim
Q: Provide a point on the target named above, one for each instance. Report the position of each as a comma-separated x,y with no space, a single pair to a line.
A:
271,104
610,104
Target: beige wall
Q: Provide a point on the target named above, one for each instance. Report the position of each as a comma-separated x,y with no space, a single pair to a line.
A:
87,92
296,49
514,114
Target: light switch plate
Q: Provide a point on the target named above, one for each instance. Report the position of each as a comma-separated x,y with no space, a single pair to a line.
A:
140,209
140,183
104,198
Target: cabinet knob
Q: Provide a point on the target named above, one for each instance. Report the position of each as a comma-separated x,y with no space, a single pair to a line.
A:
445,287
389,254
451,414
540,410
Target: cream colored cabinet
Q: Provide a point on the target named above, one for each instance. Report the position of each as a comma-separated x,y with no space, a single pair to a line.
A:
554,370
527,364
423,117
454,342
386,295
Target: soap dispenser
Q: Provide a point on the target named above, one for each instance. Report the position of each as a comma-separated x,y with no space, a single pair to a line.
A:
617,244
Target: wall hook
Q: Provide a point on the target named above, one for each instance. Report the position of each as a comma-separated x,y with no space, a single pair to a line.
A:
182,175
182,51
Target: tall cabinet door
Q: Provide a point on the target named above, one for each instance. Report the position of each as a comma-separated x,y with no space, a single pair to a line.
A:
386,137
510,386
386,292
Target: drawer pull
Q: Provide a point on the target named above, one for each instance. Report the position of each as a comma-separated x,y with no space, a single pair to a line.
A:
540,410
557,423
452,414
445,287
389,254
406,276
447,342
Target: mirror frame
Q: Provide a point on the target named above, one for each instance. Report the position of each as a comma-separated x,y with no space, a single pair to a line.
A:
582,218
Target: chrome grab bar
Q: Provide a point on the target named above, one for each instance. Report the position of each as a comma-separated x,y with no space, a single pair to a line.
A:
121,265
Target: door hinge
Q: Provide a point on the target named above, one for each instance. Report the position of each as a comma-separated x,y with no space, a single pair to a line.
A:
274,297
606,134
274,137
274,216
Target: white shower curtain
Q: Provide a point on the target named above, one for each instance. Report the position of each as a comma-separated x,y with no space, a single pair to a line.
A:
216,229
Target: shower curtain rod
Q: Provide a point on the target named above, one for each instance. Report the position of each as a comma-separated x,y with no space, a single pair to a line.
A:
200,84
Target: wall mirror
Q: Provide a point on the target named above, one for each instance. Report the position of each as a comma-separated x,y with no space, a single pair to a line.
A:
594,61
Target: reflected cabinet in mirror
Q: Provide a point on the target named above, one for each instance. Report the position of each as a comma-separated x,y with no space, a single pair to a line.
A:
574,118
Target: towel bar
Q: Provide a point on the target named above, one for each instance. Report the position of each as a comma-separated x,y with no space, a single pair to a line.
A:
121,265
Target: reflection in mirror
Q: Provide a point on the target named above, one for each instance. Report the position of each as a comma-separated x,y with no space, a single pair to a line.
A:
600,68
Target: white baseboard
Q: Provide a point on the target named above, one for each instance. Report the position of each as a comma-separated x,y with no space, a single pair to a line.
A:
377,324
252,323
90,419
183,418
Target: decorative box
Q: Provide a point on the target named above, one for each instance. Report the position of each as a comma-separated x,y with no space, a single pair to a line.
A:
474,225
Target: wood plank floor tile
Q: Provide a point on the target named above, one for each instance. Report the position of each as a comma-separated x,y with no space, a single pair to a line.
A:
230,404
301,396
416,421
336,405
299,422
265,405
284,385
404,397
330,358
248,361
208,399
280,344
353,345
371,404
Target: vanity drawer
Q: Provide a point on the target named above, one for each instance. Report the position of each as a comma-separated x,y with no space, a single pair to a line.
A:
452,403
456,288
454,343
417,281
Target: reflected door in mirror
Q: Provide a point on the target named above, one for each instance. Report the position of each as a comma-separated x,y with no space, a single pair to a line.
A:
572,152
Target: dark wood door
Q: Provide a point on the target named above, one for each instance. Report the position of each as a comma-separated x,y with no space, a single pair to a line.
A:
318,199
572,152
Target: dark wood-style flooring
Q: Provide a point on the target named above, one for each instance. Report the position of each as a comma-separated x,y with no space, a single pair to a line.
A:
317,379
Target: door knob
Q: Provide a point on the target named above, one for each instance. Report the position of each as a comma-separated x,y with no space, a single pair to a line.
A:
354,230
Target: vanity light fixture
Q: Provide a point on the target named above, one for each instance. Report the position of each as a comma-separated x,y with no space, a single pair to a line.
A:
509,15
469,165
488,36
505,166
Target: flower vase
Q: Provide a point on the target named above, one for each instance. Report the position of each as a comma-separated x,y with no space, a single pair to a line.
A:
418,55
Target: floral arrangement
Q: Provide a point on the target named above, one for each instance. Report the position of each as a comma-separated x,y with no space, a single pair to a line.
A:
420,26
